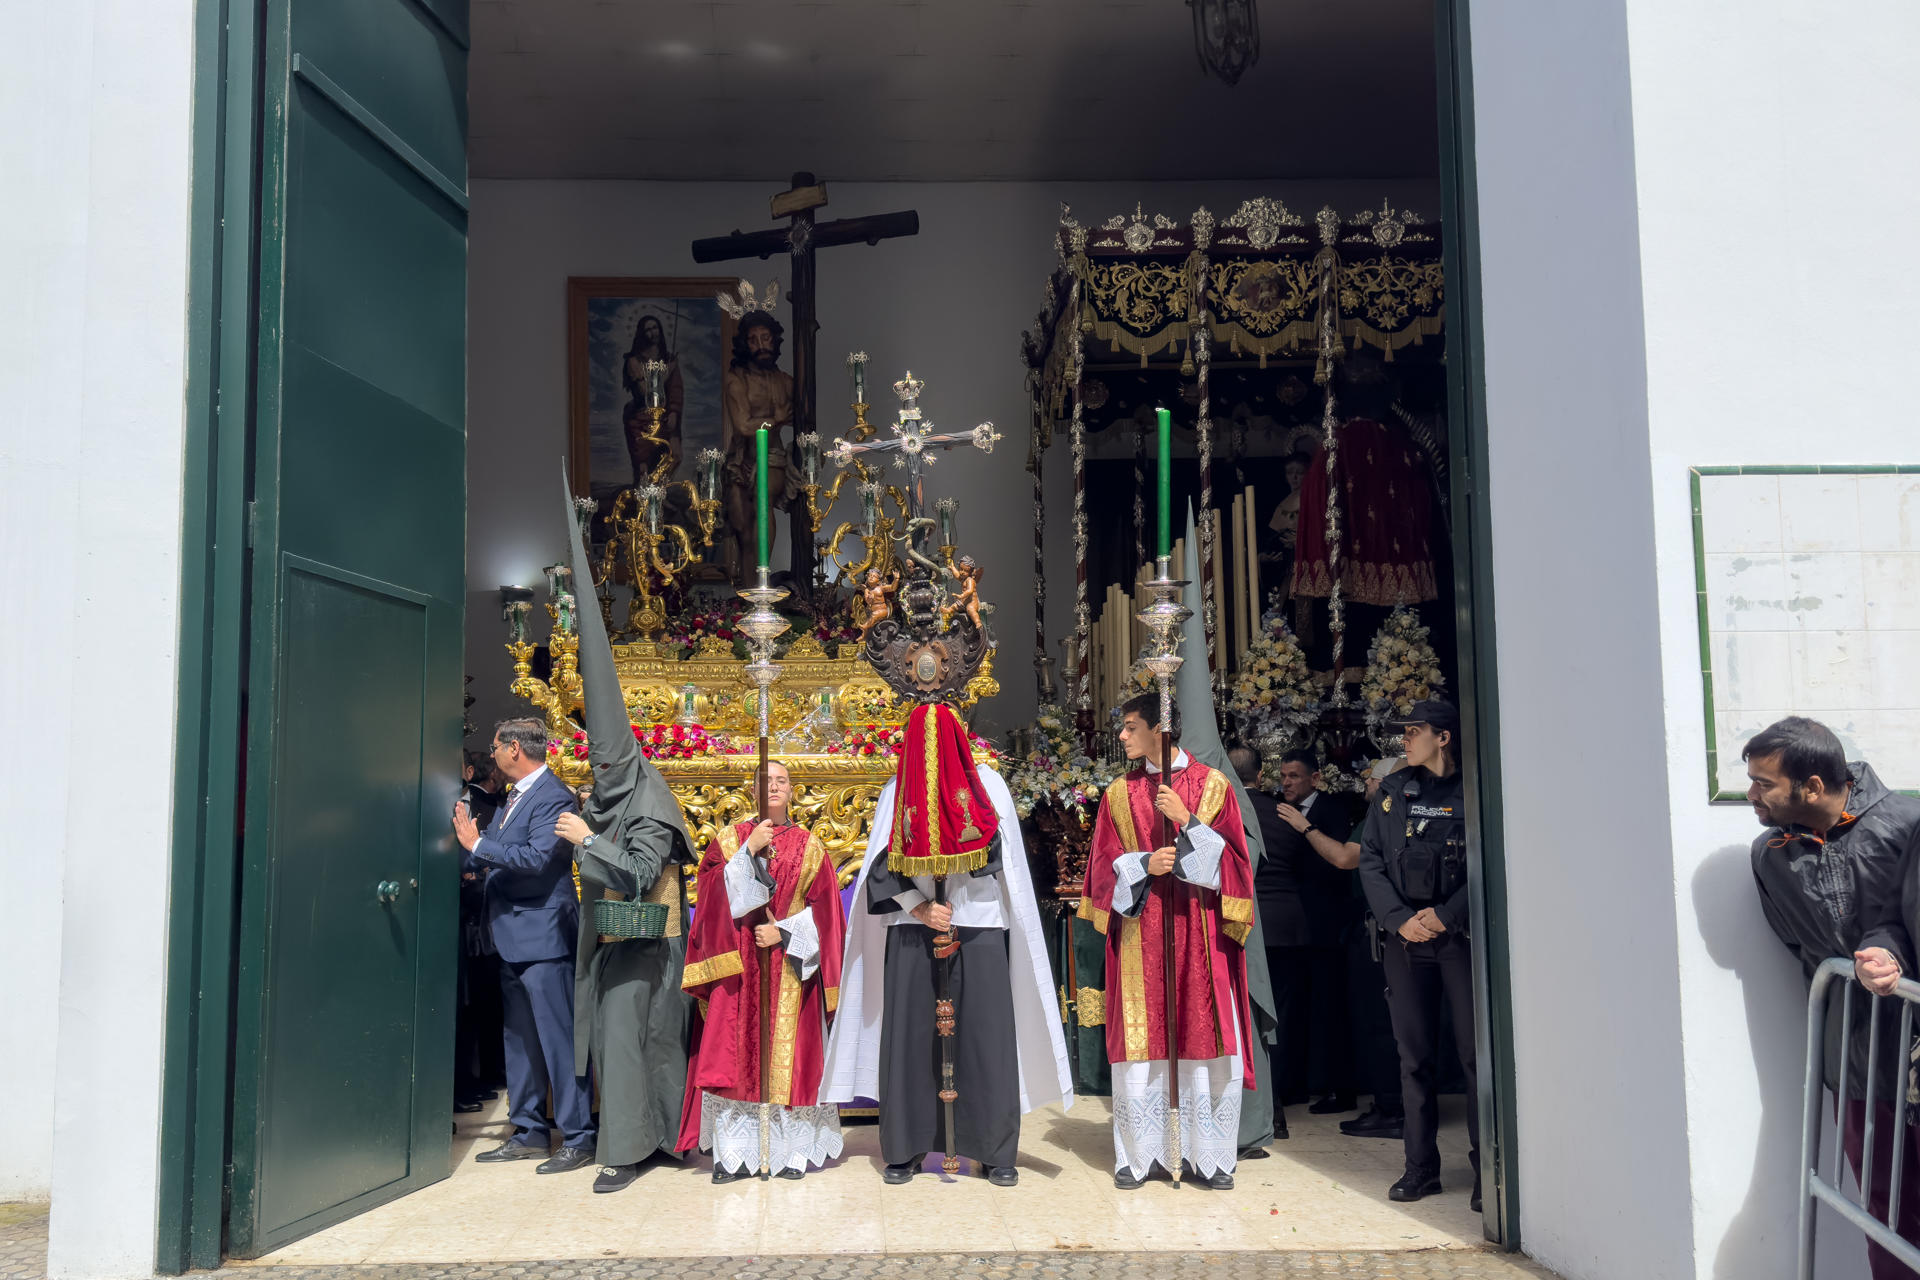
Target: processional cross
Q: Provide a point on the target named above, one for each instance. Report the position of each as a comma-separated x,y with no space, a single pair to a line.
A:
799,240
913,437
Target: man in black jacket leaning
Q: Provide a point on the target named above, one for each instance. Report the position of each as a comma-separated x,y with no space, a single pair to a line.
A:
1829,869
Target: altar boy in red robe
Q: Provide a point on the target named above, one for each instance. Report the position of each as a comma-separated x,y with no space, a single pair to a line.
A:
1203,875
767,929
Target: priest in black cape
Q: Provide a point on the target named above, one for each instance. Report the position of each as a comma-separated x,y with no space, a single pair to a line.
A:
943,814
630,1017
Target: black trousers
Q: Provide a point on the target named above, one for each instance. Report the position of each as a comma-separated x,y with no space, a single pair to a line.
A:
1419,976
1376,1055
986,1115
1313,1048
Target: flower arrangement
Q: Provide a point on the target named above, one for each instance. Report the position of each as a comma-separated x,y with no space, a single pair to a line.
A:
870,740
1336,781
890,740
1401,668
1056,770
1273,698
575,747
681,742
686,631
828,622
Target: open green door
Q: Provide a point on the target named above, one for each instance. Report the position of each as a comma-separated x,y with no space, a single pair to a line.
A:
344,1021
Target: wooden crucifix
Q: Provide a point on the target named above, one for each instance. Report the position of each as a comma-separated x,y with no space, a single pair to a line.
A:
799,240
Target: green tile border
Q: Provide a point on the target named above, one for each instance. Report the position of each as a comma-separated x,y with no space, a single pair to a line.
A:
1714,794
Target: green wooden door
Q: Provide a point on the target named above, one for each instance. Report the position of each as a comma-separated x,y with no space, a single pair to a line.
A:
344,1024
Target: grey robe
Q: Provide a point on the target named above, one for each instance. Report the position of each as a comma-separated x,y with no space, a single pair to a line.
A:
630,1017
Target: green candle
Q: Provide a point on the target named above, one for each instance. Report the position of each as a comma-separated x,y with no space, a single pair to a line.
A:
760,495
1166,480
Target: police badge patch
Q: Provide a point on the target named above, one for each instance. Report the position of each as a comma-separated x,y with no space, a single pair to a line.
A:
1386,804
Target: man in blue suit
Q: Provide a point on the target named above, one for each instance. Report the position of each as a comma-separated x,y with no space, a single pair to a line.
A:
534,917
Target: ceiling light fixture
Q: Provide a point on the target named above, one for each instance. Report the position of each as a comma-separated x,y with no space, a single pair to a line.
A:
1226,35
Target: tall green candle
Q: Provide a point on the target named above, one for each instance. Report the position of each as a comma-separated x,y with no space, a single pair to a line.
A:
760,496
1166,481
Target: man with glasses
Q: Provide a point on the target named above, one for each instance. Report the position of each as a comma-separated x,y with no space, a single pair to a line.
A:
534,916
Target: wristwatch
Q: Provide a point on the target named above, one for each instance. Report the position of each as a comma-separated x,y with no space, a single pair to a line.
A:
591,837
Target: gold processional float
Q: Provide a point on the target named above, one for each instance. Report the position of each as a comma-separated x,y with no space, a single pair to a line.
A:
831,718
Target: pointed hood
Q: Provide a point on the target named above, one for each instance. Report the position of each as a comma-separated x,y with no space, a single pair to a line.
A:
1200,737
625,783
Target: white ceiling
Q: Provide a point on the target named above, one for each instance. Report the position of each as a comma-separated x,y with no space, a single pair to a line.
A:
931,90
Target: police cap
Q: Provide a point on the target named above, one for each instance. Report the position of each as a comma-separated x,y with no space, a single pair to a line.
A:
1436,713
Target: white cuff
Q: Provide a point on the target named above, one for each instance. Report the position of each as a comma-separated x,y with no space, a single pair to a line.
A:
1200,864
907,901
746,892
1129,872
802,941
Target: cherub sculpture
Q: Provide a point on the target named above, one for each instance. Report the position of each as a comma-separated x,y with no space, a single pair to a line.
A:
877,596
967,574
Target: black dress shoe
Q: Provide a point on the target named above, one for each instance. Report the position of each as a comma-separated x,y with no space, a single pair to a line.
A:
567,1160
1126,1181
792,1175
1375,1123
1003,1175
1258,1153
1333,1104
1280,1133
721,1177
896,1174
1221,1181
467,1108
513,1150
1473,1202
1414,1185
615,1177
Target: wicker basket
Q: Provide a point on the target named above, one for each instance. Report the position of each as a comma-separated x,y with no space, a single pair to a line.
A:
613,918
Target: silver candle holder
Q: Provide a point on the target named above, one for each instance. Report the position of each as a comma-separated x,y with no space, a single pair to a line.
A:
762,627
1165,617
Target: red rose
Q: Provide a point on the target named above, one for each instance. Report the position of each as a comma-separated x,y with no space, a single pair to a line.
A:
679,733
871,728
580,753
867,750
726,633
579,737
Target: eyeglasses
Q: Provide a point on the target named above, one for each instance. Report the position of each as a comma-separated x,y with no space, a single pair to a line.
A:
498,747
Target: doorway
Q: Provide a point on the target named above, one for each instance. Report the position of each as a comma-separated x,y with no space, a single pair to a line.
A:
234,1089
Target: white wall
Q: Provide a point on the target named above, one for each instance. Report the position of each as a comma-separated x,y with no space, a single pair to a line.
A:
950,303
1776,313
1602,1144
95,221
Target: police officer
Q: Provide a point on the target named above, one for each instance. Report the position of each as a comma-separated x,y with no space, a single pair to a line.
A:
1413,867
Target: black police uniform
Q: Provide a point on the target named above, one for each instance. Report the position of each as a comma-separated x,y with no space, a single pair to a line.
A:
1413,855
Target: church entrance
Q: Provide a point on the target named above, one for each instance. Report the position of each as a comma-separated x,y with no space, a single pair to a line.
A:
483,238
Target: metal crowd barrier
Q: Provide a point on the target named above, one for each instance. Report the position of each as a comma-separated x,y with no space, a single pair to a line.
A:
1837,974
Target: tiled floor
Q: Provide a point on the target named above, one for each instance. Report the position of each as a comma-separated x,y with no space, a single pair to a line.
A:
1319,1191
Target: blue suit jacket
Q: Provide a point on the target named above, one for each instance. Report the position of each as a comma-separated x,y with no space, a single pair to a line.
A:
531,907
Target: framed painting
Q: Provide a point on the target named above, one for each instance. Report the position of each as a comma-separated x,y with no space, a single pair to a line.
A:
615,326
